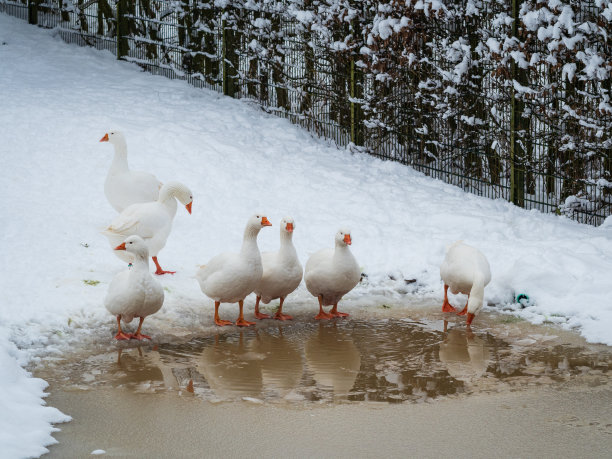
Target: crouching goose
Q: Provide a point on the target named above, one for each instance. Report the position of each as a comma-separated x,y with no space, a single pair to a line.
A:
282,272
124,187
465,270
230,277
134,292
152,221
332,273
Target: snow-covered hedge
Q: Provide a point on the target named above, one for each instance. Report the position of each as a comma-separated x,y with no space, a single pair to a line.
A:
495,94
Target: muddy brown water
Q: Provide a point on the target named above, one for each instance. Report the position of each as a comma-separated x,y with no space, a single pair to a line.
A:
343,361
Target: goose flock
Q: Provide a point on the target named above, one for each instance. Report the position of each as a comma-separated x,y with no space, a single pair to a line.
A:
147,209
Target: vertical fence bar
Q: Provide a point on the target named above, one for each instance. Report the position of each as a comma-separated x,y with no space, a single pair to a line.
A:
33,12
122,29
517,133
230,60
357,134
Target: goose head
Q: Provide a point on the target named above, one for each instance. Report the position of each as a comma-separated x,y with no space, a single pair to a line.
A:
257,222
136,245
343,237
114,137
287,225
179,191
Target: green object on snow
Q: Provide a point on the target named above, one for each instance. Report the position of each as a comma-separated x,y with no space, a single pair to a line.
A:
523,299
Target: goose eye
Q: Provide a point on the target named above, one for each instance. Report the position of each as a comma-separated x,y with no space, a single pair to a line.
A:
131,242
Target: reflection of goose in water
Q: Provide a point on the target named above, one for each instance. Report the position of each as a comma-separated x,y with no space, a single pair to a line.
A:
134,367
464,354
282,366
333,359
231,369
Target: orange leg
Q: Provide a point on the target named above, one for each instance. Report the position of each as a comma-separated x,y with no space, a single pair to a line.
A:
139,336
218,321
120,334
322,314
259,315
241,322
279,314
159,270
335,313
469,319
446,306
464,310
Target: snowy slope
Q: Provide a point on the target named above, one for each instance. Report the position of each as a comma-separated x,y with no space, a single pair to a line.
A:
58,100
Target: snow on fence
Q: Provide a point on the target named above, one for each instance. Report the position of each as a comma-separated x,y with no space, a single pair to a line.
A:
506,99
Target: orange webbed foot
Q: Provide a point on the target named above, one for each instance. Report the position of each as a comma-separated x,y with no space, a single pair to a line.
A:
323,316
140,336
261,315
463,312
339,314
446,307
281,316
160,272
123,336
244,323
223,323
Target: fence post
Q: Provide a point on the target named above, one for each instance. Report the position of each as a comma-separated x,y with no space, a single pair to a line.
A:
33,12
357,134
122,29
229,64
356,92
517,124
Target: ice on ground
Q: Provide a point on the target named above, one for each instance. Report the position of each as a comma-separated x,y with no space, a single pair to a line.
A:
58,100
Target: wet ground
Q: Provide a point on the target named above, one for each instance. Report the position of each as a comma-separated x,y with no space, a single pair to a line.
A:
384,359
376,384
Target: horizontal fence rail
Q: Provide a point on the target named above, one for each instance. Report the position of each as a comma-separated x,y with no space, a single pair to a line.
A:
505,99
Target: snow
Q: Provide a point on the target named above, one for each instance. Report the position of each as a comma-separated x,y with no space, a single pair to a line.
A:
58,100
25,421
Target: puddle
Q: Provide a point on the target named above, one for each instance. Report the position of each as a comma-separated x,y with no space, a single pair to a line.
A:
380,360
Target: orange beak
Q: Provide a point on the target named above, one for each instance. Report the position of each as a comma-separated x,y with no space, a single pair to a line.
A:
469,319
188,207
347,239
120,246
290,227
265,222
105,138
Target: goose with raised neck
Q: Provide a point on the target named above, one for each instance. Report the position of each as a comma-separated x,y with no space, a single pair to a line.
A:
465,269
134,292
152,221
124,187
230,277
332,273
282,272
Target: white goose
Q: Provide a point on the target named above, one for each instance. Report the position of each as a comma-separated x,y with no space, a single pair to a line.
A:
124,187
134,292
282,272
332,273
230,277
152,221
465,270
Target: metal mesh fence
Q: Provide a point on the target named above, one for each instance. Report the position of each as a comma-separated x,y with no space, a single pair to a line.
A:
480,132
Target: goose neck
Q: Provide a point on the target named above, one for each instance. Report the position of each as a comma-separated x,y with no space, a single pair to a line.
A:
140,263
120,158
249,241
286,239
342,251
167,197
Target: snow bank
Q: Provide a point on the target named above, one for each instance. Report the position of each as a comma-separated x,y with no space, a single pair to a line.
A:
25,421
58,100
